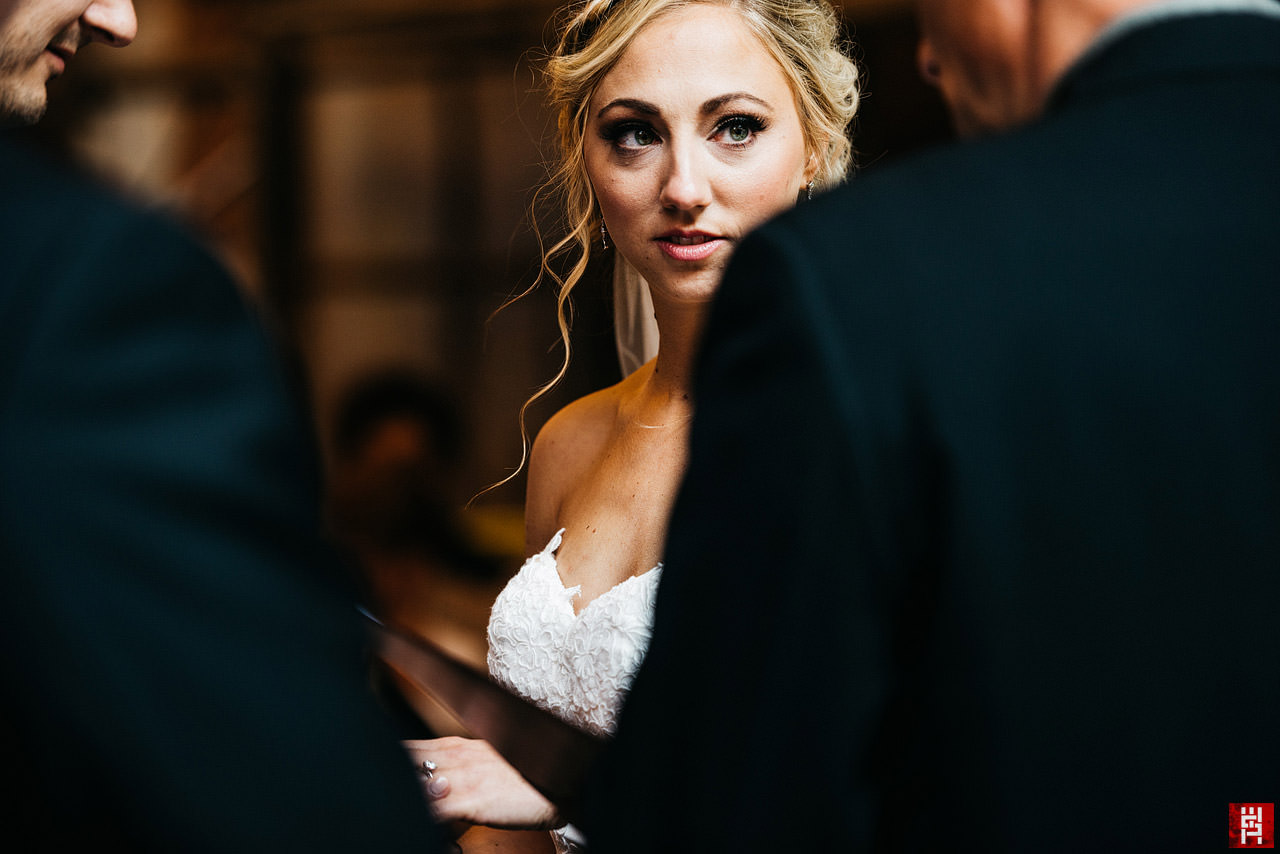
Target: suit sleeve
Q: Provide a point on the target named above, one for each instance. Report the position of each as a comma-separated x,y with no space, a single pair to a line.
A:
750,725
184,662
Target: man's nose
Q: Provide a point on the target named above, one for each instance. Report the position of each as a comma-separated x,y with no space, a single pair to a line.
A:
112,22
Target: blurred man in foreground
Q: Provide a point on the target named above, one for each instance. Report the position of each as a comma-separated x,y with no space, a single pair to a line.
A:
182,666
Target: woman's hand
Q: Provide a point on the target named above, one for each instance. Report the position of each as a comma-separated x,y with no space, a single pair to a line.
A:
472,783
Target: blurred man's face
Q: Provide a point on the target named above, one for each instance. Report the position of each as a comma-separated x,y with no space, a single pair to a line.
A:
977,52
39,37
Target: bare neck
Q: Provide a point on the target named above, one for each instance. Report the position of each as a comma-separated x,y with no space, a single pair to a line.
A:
663,393
1061,31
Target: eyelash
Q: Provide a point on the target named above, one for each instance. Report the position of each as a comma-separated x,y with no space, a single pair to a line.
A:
614,133
754,124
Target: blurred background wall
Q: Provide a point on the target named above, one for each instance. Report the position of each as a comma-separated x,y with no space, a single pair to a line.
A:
366,169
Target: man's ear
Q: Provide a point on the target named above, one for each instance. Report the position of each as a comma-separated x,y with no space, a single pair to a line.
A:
927,62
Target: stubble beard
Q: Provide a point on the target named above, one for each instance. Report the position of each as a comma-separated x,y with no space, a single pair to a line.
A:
17,111
23,98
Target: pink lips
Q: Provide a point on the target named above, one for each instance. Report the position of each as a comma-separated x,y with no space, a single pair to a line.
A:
690,246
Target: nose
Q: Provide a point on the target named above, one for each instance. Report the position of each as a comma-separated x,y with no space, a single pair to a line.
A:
686,186
111,22
927,62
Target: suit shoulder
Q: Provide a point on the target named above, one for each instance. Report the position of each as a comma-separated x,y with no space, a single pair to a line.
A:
51,210
33,185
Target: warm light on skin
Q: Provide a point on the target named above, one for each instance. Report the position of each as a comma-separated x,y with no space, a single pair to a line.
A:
693,140
996,61
39,37
974,52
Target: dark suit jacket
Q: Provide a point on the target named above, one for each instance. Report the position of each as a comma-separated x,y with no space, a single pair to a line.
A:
182,667
980,544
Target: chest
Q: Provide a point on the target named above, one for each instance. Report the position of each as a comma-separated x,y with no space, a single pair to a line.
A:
615,515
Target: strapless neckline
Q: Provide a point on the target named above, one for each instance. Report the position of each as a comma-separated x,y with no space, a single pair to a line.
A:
549,562
577,664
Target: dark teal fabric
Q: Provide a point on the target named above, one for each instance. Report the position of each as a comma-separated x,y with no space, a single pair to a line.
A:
980,545
183,670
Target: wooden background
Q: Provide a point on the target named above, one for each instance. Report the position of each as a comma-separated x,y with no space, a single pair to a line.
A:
366,169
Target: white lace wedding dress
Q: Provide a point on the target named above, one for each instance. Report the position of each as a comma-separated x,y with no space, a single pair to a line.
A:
576,665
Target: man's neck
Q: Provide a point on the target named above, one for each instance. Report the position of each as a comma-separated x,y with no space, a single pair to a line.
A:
1164,10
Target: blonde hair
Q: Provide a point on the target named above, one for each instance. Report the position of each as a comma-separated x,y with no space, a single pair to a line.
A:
804,37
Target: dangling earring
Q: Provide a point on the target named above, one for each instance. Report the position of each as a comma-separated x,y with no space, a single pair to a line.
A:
604,236
809,191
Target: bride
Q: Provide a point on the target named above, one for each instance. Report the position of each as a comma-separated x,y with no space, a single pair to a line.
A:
684,124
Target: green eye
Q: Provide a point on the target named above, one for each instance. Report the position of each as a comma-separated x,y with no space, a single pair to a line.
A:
740,130
630,135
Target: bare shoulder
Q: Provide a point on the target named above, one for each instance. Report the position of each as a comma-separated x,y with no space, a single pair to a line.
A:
565,449
587,421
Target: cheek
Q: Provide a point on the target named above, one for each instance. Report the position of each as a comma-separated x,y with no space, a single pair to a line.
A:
620,201
767,194
610,190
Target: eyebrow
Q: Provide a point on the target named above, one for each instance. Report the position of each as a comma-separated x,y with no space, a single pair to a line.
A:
639,106
715,104
711,106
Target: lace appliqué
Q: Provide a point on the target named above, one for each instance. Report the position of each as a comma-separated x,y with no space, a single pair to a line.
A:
577,666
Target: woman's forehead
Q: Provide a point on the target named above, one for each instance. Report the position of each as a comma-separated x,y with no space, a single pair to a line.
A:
691,55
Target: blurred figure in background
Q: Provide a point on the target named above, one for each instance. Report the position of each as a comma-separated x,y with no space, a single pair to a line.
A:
393,505
183,669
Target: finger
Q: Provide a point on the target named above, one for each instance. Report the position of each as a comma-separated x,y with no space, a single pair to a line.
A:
438,786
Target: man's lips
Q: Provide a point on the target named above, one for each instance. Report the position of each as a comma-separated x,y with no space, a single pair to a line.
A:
62,55
690,245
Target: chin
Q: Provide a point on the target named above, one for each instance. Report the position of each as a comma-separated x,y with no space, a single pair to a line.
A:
694,292
23,100
14,113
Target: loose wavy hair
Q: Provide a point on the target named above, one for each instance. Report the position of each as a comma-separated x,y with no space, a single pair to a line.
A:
805,38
